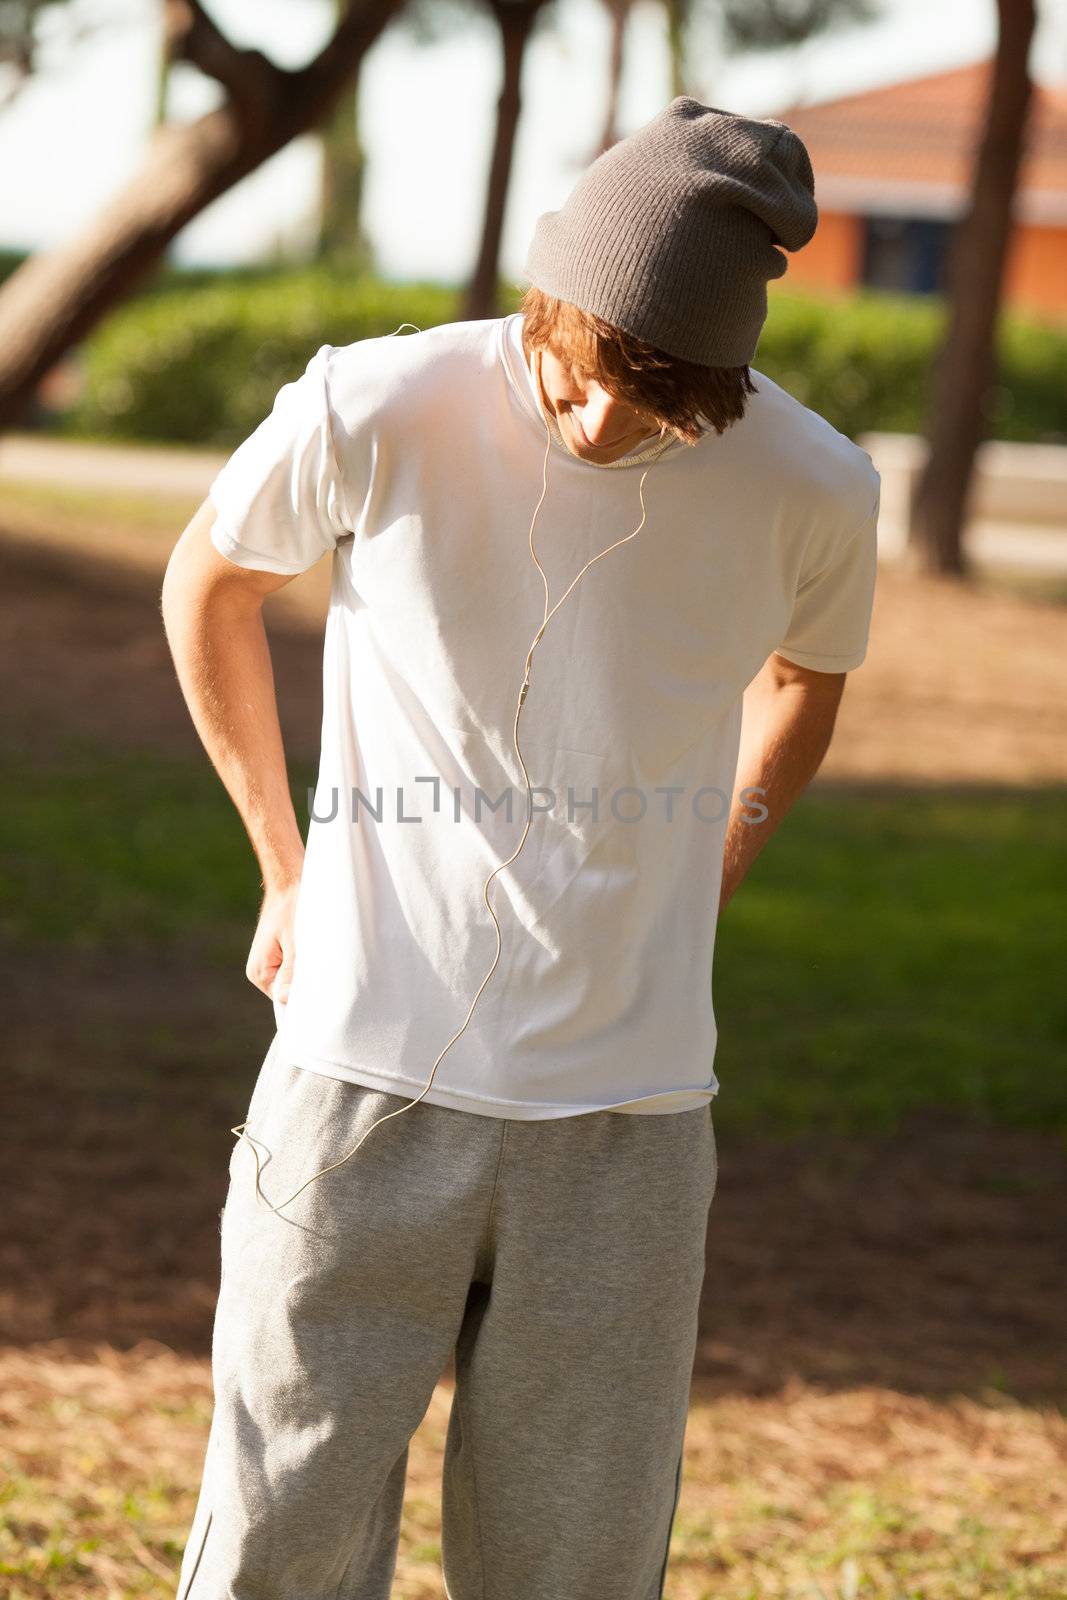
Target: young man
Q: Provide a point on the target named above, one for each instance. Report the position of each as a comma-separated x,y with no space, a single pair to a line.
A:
565,543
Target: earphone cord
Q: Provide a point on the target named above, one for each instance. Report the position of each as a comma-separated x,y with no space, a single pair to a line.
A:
241,1129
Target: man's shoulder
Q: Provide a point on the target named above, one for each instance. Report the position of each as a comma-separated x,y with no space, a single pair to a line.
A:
806,448
411,362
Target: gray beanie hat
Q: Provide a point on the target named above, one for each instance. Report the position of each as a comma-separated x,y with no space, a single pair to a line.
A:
670,235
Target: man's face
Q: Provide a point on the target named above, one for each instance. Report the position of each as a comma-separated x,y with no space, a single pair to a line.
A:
595,425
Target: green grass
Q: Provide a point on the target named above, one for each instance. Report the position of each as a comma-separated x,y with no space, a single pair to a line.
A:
110,851
890,950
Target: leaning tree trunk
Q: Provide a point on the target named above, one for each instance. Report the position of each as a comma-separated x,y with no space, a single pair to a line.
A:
55,298
619,13
965,370
515,19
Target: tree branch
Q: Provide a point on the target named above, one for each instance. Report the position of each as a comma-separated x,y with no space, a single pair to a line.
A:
357,30
55,298
250,80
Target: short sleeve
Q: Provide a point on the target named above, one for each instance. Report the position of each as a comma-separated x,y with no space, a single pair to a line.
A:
279,500
831,618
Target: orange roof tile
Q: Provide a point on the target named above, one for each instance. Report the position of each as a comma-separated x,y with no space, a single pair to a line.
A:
911,146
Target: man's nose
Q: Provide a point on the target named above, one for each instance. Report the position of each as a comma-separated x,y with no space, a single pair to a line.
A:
604,419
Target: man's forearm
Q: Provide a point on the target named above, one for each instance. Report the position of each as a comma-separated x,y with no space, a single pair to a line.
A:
224,668
786,731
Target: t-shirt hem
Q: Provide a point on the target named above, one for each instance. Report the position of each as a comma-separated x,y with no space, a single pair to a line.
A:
822,663
242,556
489,1105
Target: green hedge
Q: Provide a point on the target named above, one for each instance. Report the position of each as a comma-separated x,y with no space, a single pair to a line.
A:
865,362
202,365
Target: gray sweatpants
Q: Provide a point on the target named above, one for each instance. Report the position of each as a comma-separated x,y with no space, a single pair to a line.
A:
560,1260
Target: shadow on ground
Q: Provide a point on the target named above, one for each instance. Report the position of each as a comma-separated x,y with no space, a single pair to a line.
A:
930,1260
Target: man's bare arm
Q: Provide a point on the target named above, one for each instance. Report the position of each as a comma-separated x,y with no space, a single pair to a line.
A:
789,715
212,614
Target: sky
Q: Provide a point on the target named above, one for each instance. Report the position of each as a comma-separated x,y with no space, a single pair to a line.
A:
426,117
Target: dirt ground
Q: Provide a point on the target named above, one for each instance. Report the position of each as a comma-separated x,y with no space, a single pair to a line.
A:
920,1272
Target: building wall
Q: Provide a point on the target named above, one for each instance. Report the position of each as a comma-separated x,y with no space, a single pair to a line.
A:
1036,271
833,258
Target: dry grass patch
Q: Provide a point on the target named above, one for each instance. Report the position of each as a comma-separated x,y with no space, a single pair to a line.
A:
101,1463
804,1495
817,1495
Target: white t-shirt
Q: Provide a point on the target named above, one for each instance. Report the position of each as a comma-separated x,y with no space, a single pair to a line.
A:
416,461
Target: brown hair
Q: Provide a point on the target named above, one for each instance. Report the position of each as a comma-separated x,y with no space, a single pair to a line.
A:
686,397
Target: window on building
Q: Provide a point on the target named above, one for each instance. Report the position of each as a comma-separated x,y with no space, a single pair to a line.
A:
909,254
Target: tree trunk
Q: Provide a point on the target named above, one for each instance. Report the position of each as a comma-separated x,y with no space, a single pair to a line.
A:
965,369
619,12
515,22
342,238
676,46
55,298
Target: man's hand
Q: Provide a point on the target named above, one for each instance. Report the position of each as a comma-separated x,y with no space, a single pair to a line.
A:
788,722
270,960
212,614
